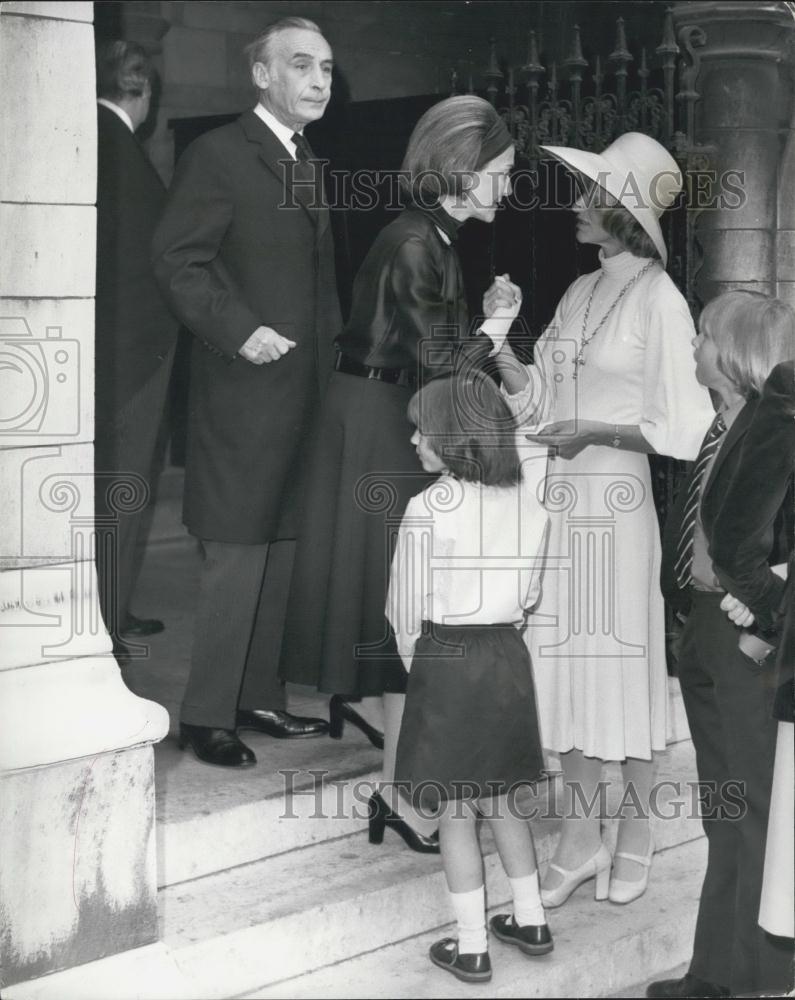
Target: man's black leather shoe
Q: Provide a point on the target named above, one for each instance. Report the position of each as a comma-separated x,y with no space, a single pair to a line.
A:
216,746
475,968
534,939
280,724
687,986
141,626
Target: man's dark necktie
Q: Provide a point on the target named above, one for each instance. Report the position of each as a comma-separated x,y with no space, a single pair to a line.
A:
684,548
308,170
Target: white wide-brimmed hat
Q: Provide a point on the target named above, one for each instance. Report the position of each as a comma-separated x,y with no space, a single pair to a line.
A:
637,171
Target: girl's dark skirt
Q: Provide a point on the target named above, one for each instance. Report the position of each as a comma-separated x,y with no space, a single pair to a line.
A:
470,728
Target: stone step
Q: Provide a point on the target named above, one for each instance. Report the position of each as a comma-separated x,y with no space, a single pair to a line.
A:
336,922
289,914
600,949
211,819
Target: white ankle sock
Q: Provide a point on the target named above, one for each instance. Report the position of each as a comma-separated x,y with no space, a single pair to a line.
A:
527,906
470,913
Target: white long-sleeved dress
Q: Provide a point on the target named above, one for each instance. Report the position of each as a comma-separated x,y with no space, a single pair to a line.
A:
597,637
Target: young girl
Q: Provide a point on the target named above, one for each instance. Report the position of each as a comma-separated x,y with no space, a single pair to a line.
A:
725,692
463,575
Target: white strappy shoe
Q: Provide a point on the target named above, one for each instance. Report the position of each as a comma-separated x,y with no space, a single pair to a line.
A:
622,891
597,866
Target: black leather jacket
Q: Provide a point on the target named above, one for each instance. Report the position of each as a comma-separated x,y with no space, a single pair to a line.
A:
409,304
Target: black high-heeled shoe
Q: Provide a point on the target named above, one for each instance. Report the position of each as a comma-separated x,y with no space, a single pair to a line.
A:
381,816
340,712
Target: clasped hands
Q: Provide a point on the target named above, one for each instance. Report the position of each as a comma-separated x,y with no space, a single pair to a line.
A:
265,345
501,304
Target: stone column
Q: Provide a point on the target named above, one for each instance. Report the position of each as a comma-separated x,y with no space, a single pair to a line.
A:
785,235
745,102
77,864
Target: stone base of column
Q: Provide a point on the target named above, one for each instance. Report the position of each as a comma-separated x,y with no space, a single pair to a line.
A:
78,880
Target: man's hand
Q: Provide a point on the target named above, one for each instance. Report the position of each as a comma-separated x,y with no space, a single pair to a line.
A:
265,345
737,611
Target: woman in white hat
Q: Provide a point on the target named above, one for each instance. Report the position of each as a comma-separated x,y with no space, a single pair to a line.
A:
613,381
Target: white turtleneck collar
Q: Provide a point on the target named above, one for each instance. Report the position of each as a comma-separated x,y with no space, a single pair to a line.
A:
621,266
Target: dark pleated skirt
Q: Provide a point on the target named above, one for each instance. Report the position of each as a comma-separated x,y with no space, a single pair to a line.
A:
470,728
363,472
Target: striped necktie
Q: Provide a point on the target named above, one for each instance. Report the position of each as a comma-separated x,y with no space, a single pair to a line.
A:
684,548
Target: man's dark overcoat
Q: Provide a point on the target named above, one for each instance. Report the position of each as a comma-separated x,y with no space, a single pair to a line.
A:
239,246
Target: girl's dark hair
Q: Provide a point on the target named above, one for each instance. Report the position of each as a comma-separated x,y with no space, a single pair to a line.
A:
469,426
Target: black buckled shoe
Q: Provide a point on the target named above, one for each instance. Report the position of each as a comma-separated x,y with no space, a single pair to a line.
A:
474,968
216,746
534,939
687,986
141,626
280,724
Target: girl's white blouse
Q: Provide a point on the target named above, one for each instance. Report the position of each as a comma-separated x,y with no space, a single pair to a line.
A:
466,554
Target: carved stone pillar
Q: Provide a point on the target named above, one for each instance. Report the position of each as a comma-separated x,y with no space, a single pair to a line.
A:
745,102
785,235
77,861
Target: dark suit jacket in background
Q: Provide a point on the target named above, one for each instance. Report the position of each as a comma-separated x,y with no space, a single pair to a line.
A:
238,248
759,498
134,328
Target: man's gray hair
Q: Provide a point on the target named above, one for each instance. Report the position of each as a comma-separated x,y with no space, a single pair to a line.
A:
260,49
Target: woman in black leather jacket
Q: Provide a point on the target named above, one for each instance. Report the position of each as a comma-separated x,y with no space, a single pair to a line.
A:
408,323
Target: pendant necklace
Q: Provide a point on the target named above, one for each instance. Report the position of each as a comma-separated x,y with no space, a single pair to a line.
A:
579,360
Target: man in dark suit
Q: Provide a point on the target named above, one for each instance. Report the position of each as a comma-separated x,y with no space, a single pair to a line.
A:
135,333
244,254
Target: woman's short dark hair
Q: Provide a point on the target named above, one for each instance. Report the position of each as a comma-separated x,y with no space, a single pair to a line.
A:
468,424
124,70
622,225
449,143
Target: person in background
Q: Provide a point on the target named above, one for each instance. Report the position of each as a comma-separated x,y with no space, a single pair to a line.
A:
464,575
743,335
135,335
244,254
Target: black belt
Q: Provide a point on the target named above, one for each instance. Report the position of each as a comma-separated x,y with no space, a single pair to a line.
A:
394,376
